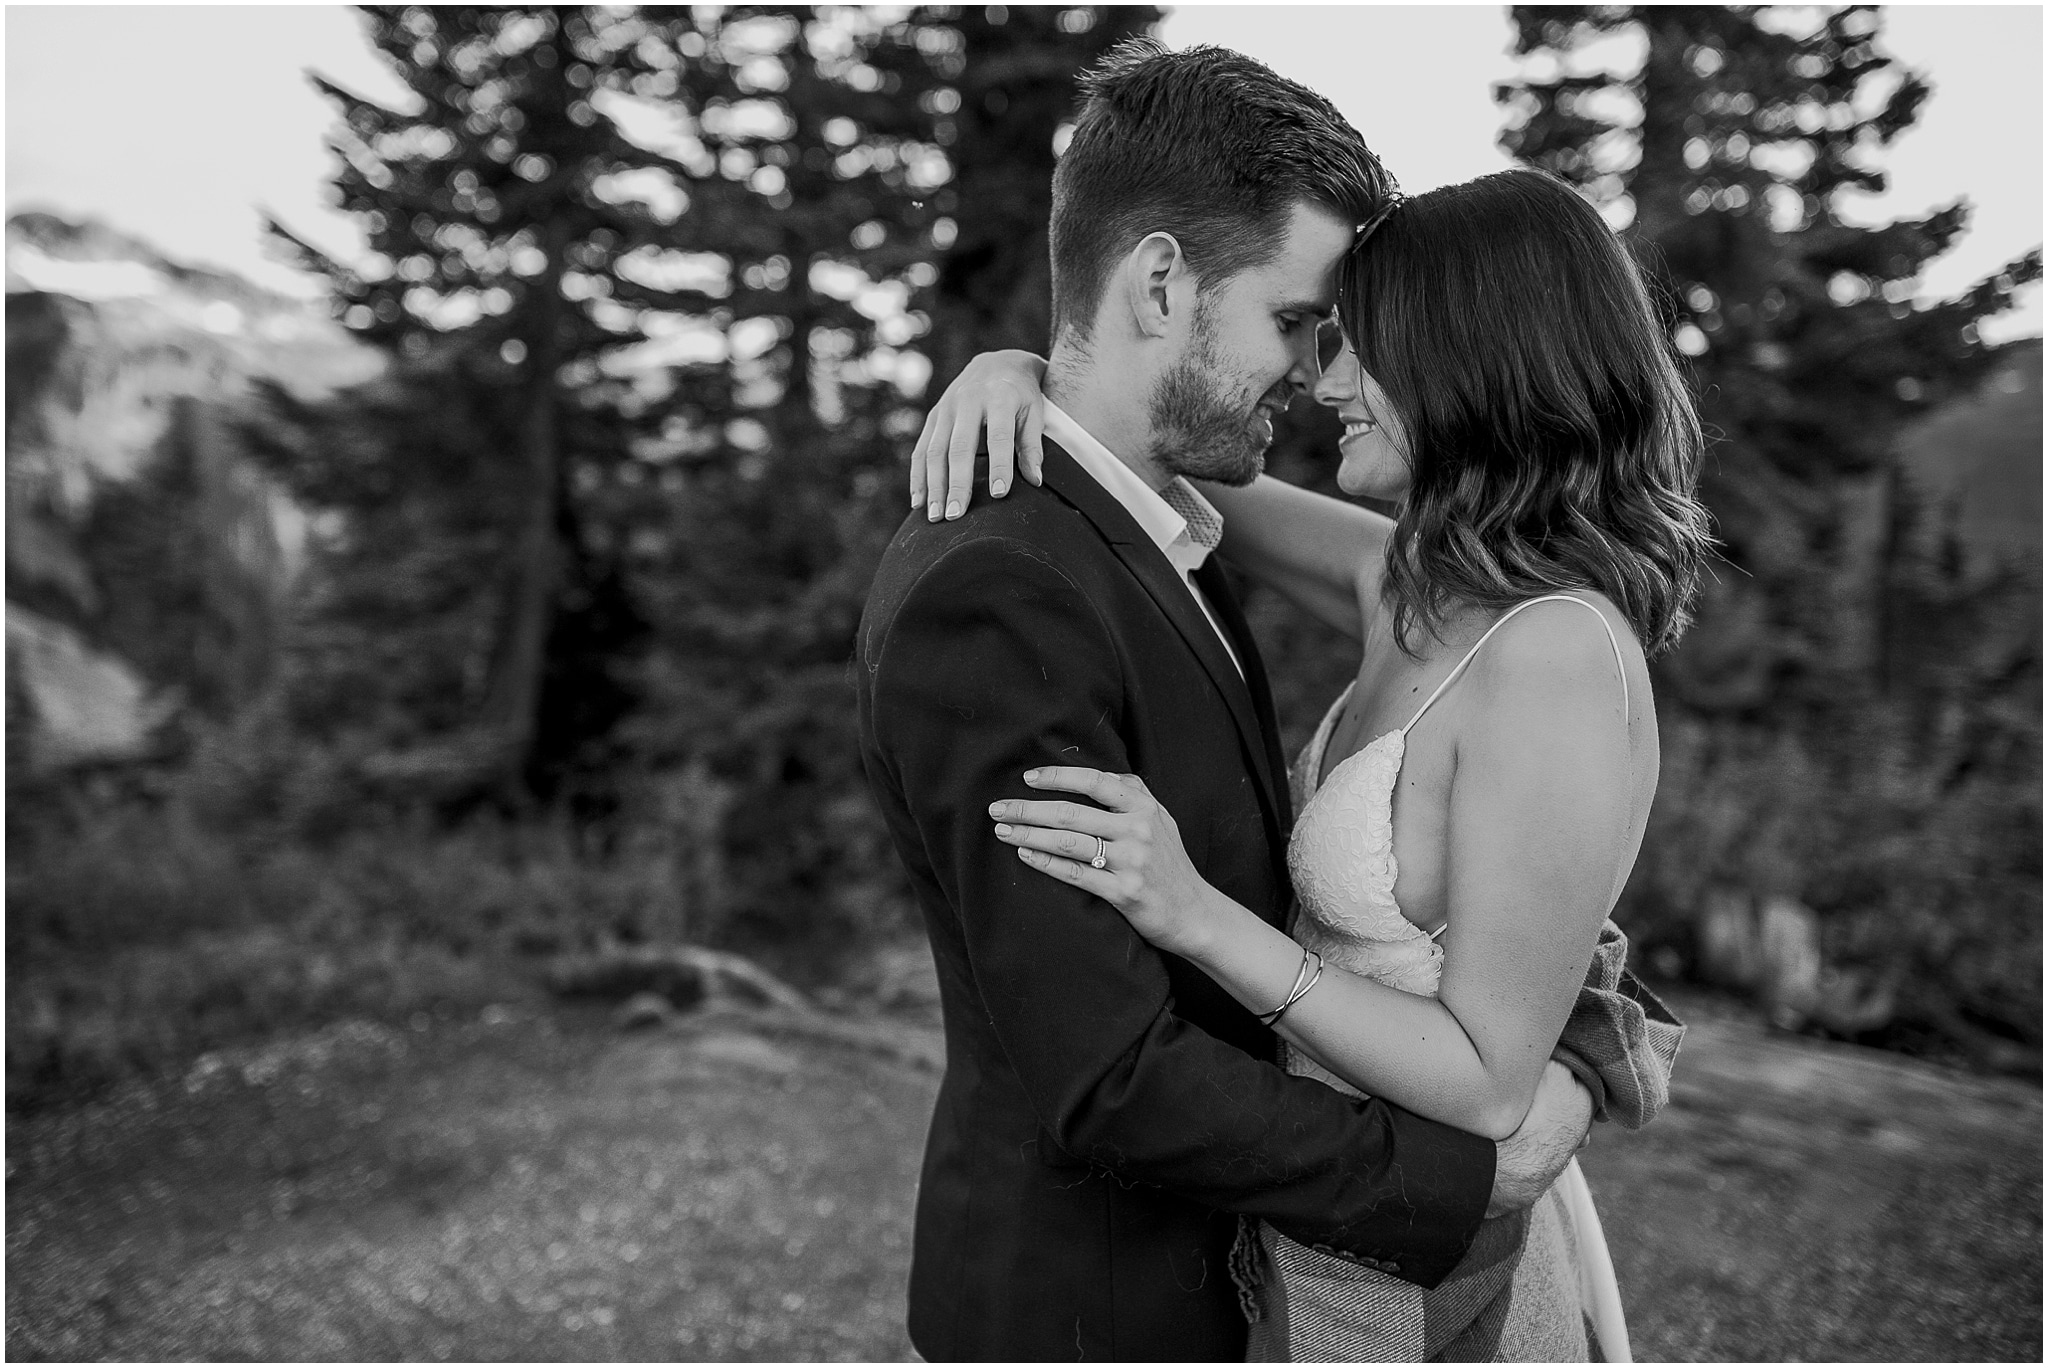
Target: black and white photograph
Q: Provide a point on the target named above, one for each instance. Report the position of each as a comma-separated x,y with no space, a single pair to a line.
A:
1013,683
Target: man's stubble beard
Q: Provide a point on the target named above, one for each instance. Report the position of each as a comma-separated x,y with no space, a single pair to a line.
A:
1195,432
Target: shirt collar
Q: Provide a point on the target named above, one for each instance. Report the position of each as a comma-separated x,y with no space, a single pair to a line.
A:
1167,529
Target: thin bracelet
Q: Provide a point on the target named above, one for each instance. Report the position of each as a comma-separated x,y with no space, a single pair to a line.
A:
1295,992
1300,989
1268,1018
1313,980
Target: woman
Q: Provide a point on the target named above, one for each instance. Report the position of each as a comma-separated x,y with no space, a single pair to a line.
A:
1471,806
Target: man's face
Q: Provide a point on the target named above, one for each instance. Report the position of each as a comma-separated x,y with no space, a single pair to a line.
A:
1251,347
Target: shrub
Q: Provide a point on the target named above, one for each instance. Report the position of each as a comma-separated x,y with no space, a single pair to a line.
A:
139,935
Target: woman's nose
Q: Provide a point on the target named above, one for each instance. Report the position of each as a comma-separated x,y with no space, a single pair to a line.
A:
1339,380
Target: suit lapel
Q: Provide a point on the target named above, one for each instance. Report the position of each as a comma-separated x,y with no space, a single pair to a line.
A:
1216,585
1143,558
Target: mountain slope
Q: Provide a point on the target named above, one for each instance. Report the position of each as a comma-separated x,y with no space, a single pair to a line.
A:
147,556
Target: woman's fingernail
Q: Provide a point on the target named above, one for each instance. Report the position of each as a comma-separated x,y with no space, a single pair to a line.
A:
953,508
1002,828
996,810
1030,776
932,513
998,488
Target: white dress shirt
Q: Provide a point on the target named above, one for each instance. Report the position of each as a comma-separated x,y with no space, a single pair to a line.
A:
1167,529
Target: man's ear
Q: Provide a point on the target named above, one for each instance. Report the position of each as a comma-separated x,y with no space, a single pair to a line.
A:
1155,276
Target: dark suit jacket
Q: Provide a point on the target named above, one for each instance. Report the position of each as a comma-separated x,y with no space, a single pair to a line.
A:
1107,1109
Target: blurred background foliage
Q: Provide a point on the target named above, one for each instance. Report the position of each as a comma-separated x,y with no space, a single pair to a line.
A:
363,663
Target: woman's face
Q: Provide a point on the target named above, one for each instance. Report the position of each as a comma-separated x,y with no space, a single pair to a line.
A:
1374,444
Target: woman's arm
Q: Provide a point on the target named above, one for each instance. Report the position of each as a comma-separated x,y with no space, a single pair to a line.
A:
1539,818
1325,555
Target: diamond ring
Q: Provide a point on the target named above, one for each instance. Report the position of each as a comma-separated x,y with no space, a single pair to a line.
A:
1101,860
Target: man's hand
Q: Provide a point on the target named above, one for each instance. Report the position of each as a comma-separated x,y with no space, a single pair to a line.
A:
1528,1162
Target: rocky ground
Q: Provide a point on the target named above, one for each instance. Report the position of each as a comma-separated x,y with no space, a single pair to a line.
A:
539,1185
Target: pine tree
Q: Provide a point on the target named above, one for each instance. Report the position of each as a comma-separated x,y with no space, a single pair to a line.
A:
659,289
505,214
1806,751
908,164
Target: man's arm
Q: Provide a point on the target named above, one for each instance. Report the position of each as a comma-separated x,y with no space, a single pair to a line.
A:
1618,1048
1529,1161
993,664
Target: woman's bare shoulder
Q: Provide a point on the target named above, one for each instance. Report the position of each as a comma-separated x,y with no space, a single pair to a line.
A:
1558,660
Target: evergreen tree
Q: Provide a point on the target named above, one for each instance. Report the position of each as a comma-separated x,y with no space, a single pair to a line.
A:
908,181
504,213
1806,755
658,287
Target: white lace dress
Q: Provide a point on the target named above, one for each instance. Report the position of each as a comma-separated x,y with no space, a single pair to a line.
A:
1329,1308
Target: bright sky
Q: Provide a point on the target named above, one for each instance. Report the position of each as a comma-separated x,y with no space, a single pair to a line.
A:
182,123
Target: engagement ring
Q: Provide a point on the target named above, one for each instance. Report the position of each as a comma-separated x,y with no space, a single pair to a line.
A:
1101,860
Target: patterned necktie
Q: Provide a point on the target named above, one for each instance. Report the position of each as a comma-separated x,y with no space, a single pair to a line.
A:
1205,529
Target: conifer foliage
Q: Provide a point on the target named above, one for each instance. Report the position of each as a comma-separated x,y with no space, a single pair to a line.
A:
658,288
504,213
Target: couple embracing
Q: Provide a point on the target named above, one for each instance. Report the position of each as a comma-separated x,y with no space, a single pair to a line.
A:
1245,1061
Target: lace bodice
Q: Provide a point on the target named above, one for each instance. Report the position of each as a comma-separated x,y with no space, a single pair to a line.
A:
1342,861
1341,856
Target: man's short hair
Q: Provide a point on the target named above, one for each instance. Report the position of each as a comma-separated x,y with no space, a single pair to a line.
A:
1205,144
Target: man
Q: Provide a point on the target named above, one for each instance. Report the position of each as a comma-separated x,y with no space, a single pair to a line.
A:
1108,1113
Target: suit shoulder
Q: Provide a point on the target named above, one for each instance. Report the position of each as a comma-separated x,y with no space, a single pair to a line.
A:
1030,523
943,584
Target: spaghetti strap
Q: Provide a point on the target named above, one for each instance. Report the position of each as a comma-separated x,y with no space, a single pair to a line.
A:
1502,622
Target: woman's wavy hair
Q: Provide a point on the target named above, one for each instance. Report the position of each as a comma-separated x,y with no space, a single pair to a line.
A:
1553,442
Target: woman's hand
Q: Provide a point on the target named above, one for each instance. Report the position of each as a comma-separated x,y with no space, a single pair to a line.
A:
1145,872
999,390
